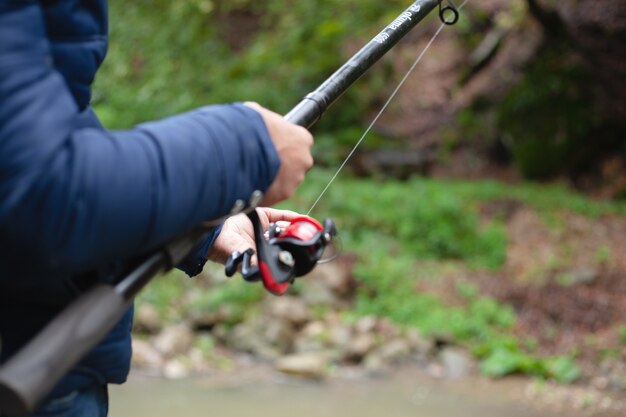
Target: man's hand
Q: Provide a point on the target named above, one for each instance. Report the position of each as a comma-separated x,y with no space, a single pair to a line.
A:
237,233
293,144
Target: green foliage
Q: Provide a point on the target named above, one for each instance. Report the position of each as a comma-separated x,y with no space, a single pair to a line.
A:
405,233
622,334
546,118
175,296
171,56
603,255
167,57
234,299
426,218
509,360
165,292
205,343
394,227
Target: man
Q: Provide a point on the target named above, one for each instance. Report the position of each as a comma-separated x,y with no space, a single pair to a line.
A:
75,199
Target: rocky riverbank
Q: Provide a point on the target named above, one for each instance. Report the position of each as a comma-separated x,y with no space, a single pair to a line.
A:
309,335
291,333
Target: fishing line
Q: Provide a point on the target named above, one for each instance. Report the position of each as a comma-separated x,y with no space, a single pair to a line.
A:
380,113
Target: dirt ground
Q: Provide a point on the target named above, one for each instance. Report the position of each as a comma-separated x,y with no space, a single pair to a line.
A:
566,281
564,276
567,284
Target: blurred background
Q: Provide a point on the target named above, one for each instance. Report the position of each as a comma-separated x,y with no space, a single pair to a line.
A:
482,221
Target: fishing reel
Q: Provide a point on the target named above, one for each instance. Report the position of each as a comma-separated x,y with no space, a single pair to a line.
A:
287,253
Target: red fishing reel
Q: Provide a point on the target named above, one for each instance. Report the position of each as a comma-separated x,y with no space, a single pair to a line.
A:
286,254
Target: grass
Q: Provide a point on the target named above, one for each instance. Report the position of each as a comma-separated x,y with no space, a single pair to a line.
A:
408,233
396,227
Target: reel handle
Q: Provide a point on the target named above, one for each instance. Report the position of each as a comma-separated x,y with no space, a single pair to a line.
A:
288,253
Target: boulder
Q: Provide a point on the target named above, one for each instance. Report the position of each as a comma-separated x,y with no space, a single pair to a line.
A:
174,340
176,369
147,319
280,335
456,362
394,351
359,347
145,355
289,309
421,345
312,365
248,338
366,324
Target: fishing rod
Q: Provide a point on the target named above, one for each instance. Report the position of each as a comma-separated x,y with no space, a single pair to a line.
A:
29,376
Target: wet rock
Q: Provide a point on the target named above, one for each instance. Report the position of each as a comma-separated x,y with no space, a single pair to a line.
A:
387,329
339,335
197,359
302,345
146,356
315,293
280,335
312,338
290,309
147,319
176,369
394,351
248,338
421,345
374,365
436,370
221,332
456,363
307,365
360,346
331,284
314,329
174,340
208,320
366,324
337,277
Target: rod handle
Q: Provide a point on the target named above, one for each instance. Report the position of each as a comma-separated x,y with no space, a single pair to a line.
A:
27,378
308,111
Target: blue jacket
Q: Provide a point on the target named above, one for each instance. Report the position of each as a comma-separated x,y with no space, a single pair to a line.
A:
75,197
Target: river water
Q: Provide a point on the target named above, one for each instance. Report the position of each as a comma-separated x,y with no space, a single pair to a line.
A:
406,394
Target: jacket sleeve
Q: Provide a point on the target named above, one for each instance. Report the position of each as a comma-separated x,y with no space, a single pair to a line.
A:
78,197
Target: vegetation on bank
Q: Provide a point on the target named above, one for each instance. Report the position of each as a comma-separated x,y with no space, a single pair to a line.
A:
411,233
171,56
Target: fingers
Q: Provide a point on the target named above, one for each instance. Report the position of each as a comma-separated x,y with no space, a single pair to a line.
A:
275,215
237,233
